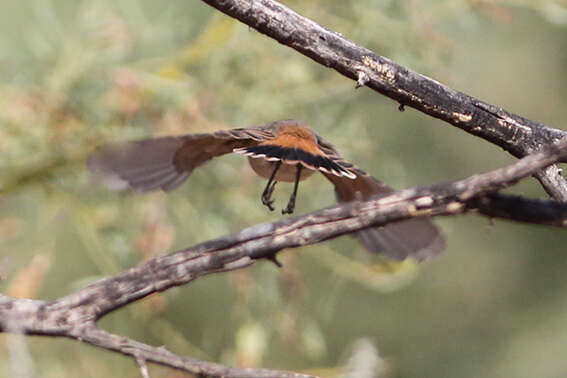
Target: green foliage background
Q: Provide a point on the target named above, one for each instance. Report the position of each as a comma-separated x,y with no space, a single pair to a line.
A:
75,74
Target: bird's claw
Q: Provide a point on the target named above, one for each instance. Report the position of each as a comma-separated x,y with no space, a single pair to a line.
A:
290,206
267,196
268,203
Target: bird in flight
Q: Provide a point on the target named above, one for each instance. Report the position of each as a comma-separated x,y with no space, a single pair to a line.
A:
287,151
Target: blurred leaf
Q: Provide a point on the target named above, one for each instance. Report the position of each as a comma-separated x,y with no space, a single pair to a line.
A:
28,280
213,37
250,345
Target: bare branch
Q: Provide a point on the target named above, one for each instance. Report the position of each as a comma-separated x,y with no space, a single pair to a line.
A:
517,135
161,355
75,315
31,314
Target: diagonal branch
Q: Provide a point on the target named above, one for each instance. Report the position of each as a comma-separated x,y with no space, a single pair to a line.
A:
73,319
143,352
515,134
75,315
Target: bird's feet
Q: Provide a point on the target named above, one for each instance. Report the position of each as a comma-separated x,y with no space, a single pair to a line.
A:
290,206
267,196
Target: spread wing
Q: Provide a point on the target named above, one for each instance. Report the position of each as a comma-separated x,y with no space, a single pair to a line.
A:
164,163
418,238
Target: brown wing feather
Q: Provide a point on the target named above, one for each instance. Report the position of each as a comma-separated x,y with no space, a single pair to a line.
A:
164,163
418,238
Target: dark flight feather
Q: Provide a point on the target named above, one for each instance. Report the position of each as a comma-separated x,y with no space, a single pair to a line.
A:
164,163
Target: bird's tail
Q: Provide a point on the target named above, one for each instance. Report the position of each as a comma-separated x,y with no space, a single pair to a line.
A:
416,238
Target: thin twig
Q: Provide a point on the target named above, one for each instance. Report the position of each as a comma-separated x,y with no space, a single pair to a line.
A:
144,371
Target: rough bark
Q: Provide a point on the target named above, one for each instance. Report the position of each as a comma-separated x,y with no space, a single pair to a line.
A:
75,315
515,134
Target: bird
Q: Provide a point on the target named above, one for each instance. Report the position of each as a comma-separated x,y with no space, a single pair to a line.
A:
287,151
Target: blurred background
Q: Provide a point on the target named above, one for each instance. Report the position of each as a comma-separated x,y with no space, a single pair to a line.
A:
77,74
